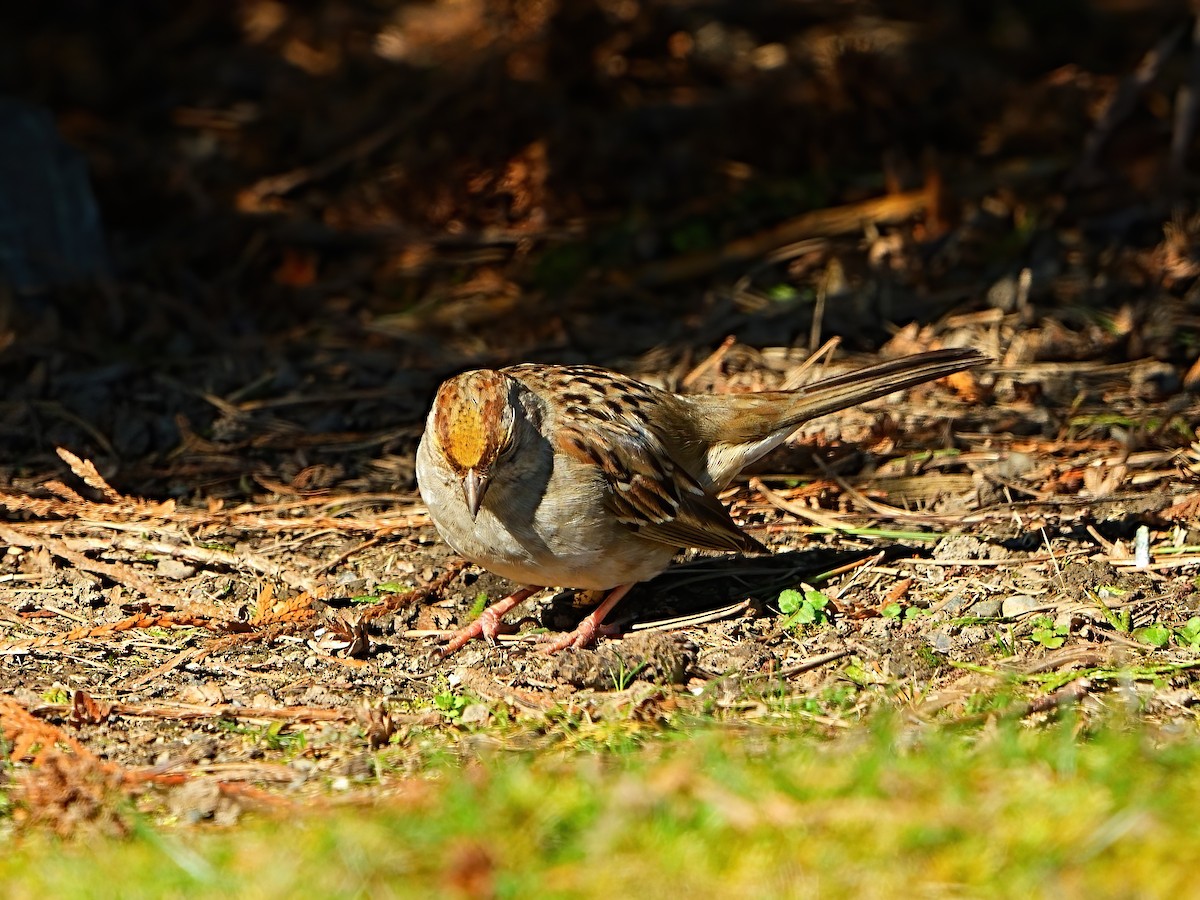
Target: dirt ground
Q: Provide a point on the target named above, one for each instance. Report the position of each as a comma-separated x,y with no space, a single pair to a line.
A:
217,576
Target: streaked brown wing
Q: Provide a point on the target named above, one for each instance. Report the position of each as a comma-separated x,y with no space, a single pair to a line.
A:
647,490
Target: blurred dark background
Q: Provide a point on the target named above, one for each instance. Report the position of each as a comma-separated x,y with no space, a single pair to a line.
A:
309,212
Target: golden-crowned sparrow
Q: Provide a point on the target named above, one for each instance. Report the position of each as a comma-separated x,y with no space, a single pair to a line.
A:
579,477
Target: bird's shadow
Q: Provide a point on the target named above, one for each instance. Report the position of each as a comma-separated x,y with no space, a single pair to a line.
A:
707,584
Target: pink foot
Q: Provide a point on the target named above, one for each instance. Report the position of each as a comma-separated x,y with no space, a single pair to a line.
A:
488,624
585,634
582,636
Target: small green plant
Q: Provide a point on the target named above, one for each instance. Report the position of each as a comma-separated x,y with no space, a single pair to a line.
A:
276,737
1189,635
388,587
900,612
836,700
1005,641
1049,635
273,735
1120,619
478,605
839,697
782,292
623,676
803,607
452,703
858,673
1157,636
929,656
57,694
984,702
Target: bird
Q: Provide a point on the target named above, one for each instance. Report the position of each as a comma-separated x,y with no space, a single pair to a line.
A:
576,476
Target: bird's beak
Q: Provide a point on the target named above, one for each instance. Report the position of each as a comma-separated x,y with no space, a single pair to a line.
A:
474,487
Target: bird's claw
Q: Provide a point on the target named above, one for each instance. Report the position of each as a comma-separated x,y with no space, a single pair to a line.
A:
583,636
489,625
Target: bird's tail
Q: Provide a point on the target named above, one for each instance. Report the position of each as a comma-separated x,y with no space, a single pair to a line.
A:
743,427
873,382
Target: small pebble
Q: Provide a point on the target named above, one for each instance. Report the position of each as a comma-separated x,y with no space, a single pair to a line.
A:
985,609
174,569
956,605
475,714
1019,604
940,640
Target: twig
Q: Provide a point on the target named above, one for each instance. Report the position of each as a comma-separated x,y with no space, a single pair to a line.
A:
795,378
813,662
846,219
725,612
252,198
818,223
883,509
183,657
211,556
803,512
1121,104
399,601
192,711
1068,693
107,630
867,561
818,315
345,555
1179,563
708,362
1025,561
1108,546
117,572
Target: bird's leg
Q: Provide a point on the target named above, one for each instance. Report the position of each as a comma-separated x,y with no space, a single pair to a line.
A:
585,633
488,623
